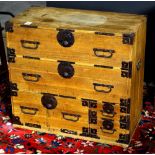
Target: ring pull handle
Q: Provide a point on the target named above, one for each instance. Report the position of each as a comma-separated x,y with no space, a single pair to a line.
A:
30,44
107,131
104,53
71,117
28,110
31,77
108,115
108,88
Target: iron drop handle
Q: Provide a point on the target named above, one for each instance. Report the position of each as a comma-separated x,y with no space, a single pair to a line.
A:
106,131
30,44
31,77
75,117
108,88
104,53
28,110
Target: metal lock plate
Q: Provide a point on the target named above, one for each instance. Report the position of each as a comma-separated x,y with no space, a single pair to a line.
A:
65,69
89,103
49,101
92,117
65,38
108,124
108,108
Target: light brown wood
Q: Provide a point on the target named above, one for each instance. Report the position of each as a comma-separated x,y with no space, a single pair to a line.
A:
52,18
57,82
80,69
138,77
81,51
122,33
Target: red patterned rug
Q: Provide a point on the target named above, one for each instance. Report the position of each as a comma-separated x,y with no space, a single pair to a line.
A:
15,140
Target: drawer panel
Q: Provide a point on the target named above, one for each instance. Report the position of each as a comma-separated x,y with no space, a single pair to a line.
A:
63,103
43,78
113,96
43,43
80,70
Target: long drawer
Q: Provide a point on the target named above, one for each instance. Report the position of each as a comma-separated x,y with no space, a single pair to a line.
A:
109,93
29,77
88,47
74,70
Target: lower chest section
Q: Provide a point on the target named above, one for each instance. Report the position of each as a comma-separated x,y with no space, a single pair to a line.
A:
84,118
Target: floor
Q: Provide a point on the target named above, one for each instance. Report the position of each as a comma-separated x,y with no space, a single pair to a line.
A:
16,140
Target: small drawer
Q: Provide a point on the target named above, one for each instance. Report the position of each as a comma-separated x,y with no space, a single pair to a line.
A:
50,105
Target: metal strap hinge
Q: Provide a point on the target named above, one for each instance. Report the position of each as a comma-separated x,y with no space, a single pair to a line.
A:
11,55
8,26
13,89
125,122
125,105
128,38
124,138
126,69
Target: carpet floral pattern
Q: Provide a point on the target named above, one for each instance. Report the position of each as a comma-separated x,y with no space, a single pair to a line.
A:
16,140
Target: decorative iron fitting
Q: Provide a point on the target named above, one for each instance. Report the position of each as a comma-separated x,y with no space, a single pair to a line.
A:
124,138
126,69
16,120
89,103
11,55
125,105
92,117
68,131
89,132
8,26
33,125
125,122
128,38
13,89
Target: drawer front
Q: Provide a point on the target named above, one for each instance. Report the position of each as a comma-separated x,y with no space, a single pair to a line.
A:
106,121
109,94
88,47
68,113
60,103
80,83
73,70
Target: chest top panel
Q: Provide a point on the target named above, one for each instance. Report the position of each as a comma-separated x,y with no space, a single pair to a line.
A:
85,20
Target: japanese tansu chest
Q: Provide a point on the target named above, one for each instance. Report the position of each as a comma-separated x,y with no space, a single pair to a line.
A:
77,73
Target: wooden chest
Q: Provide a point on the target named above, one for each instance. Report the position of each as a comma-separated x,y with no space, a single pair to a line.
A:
77,73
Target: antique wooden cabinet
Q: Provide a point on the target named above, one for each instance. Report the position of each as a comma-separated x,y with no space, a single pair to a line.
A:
77,73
